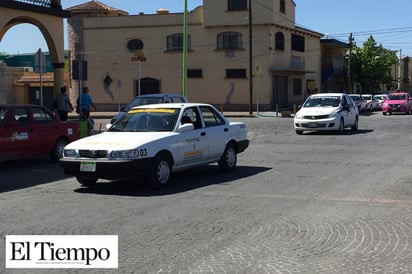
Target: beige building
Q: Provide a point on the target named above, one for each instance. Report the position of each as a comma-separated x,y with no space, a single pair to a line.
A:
129,55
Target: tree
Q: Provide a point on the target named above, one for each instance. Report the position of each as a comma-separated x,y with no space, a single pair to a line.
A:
371,65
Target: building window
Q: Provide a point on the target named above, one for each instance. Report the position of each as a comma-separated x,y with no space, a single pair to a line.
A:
235,73
282,6
298,43
236,5
297,86
279,41
194,73
229,40
175,42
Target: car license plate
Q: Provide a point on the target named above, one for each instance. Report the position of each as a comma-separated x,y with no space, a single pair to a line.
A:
312,124
88,166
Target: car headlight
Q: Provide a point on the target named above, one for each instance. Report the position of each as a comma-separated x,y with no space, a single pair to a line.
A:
298,115
384,104
70,153
124,154
333,114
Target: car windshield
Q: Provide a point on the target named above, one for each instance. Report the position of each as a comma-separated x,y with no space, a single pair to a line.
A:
140,101
355,97
147,119
326,101
397,96
367,97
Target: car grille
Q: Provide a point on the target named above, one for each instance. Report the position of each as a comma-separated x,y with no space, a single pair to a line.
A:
316,117
307,125
394,105
93,153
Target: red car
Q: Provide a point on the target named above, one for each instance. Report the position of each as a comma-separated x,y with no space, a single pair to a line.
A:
397,102
31,130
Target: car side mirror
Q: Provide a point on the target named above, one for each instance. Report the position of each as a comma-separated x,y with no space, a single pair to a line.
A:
186,127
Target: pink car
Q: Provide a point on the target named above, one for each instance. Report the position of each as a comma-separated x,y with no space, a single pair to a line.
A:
397,102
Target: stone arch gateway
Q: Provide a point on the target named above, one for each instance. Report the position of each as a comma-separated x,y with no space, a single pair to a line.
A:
47,16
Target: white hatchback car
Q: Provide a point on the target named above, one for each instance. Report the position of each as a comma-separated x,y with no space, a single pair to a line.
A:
327,112
152,141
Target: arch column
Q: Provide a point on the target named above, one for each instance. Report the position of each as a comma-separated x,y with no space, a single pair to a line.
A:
58,77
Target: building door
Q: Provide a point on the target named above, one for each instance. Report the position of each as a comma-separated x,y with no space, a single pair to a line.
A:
148,86
280,92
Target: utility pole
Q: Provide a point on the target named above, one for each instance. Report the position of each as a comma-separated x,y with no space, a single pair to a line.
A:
399,67
349,63
185,49
250,58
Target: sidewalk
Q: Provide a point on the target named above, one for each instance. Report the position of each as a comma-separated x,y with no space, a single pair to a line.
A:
108,115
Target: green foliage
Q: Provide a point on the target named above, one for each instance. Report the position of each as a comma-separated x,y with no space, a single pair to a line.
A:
371,65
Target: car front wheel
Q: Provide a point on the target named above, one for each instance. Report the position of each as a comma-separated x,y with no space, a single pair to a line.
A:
160,171
355,125
341,126
229,158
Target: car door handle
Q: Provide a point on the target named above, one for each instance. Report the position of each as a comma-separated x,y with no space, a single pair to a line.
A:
226,129
203,133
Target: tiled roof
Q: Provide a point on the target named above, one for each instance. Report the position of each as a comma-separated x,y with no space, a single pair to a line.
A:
96,6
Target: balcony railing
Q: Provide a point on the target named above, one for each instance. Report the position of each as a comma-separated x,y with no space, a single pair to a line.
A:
43,3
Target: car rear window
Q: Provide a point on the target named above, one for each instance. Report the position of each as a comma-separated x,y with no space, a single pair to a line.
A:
397,96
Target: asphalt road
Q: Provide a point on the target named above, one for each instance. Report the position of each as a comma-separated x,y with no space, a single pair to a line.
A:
312,203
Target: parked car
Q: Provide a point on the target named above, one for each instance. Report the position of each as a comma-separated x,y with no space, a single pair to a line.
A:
148,99
359,102
397,102
327,112
31,130
152,141
380,98
371,102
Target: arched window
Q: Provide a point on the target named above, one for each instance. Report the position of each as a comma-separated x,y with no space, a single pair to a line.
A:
279,41
175,42
229,40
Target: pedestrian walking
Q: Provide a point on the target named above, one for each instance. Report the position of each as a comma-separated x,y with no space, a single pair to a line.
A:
63,104
83,104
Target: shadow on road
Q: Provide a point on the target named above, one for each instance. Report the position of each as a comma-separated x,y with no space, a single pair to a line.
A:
20,174
180,182
345,132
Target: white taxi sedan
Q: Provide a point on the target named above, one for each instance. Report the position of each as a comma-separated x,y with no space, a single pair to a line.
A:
327,112
152,141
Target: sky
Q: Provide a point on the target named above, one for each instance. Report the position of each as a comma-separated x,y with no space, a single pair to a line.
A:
388,22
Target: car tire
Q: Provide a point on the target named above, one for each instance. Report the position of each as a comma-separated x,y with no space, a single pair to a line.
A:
160,171
57,151
299,132
356,125
341,126
86,181
229,158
